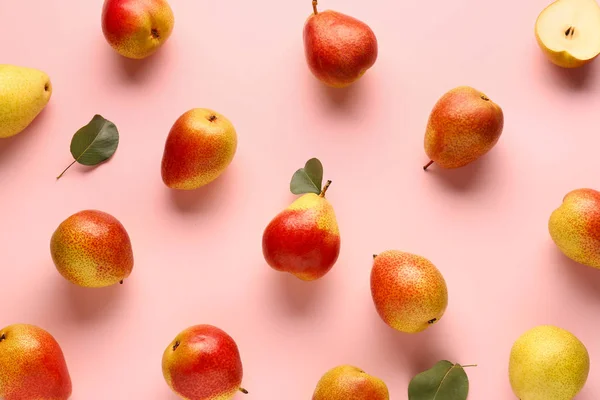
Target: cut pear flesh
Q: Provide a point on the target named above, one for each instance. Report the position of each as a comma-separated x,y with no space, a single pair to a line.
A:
572,26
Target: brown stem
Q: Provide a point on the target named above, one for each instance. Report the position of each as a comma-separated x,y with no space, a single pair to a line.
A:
243,390
315,3
325,189
121,281
469,365
65,170
427,166
374,256
3,337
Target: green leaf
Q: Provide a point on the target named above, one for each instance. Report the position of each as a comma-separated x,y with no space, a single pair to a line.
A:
94,143
308,179
444,381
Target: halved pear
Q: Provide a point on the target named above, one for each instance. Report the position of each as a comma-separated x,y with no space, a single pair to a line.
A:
568,31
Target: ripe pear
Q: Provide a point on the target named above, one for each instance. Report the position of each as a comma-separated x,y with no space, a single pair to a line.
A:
25,93
339,49
347,382
548,363
568,32
92,249
303,239
463,126
137,28
199,147
32,365
203,363
409,292
575,226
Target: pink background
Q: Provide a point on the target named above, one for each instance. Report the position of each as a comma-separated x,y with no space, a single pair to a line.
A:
198,255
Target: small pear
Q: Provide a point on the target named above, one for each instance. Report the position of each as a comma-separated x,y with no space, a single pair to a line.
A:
409,292
463,126
200,146
203,363
25,93
304,239
575,226
548,363
338,48
91,248
32,365
347,382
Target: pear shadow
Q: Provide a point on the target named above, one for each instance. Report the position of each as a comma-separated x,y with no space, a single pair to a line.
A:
204,198
584,277
82,304
8,145
576,79
468,178
415,352
139,71
339,99
295,297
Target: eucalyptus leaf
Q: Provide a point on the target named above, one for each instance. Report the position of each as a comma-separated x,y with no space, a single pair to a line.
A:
444,381
308,179
94,143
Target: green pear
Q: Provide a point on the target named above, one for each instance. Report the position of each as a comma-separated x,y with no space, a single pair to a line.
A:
548,363
24,94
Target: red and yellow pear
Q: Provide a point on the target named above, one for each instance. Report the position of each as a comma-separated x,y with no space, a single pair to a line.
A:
575,226
463,126
32,365
200,146
203,363
408,291
137,28
339,49
304,239
92,249
347,382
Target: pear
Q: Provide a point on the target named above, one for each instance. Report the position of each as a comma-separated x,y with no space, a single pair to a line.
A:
25,93
339,49
408,291
303,239
568,32
548,363
91,248
32,365
347,382
136,29
463,126
575,226
203,363
200,146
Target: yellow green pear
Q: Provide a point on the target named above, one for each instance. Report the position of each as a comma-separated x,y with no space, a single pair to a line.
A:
347,382
25,92
548,363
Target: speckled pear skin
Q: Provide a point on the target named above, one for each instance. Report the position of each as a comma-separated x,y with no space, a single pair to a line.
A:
199,147
347,382
575,226
32,365
463,126
203,363
408,291
137,28
303,239
339,49
25,93
548,363
92,249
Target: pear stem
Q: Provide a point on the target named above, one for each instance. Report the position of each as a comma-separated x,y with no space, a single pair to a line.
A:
3,337
315,3
243,390
65,170
325,189
374,256
427,166
469,365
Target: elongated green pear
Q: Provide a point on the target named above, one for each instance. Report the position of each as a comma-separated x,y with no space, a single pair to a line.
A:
24,93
